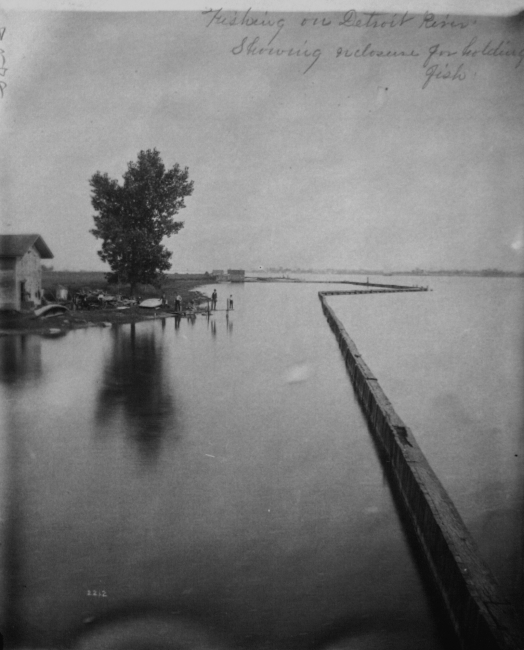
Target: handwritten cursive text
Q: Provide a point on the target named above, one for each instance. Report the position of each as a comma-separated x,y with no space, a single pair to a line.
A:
252,48
368,51
504,48
373,20
437,71
3,69
245,19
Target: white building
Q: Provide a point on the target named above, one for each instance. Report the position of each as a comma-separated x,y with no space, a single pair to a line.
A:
21,270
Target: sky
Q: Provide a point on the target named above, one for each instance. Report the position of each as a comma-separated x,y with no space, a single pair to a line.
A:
298,160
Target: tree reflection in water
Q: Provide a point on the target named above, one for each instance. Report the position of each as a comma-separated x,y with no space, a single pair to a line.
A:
20,366
20,359
135,387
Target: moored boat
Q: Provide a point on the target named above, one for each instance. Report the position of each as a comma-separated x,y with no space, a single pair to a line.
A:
151,303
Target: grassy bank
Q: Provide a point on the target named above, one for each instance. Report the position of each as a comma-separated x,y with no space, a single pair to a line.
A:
77,280
183,284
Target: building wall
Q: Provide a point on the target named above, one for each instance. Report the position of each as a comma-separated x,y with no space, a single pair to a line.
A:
14,271
29,270
8,284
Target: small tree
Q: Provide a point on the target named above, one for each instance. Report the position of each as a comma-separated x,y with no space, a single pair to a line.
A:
134,217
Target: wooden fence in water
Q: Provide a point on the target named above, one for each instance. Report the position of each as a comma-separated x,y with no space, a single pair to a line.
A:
482,618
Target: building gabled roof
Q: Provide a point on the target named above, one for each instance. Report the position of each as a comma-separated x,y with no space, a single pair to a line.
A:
18,245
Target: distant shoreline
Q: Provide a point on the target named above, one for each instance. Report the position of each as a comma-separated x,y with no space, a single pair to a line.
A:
488,273
184,284
77,277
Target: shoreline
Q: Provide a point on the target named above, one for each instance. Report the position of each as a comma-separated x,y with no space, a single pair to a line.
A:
21,323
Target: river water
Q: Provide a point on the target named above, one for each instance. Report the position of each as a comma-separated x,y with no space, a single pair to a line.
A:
221,469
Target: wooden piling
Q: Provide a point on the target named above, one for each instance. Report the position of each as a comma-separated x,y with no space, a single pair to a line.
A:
483,619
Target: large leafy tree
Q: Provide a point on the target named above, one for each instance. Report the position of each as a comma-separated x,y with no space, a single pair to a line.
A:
134,217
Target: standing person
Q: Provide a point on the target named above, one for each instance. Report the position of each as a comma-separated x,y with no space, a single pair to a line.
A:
214,298
230,302
164,300
178,303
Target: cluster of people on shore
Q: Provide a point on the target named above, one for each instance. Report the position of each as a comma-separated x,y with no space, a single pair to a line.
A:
85,301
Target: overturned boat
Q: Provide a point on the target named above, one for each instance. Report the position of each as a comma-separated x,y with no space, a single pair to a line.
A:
53,309
151,303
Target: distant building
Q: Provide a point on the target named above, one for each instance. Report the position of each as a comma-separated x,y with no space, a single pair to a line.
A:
236,275
220,275
21,271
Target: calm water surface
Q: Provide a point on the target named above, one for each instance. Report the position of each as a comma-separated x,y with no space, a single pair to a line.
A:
222,469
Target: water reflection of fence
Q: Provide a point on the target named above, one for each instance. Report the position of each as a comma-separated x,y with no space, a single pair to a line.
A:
481,616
